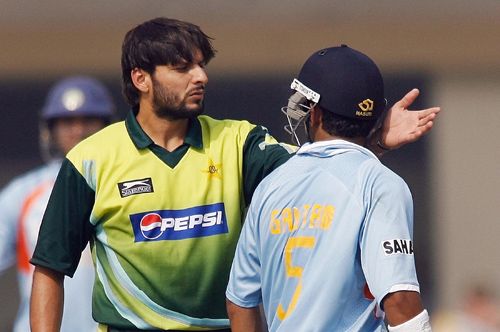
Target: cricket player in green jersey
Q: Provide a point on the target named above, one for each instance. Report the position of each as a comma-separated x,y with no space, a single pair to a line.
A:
161,195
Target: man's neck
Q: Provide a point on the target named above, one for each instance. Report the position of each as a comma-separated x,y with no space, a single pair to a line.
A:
324,136
169,134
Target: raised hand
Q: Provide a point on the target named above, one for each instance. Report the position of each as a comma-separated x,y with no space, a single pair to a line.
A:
402,126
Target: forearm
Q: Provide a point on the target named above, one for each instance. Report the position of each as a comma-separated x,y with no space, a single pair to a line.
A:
402,306
47,299
244,319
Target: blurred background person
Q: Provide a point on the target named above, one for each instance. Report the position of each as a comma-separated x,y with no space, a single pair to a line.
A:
75,108
478,311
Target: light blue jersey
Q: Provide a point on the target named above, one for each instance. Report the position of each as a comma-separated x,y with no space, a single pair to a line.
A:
324,232
23,203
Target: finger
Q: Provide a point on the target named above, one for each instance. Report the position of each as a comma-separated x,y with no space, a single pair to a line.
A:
427,111
424,120
433,110
425,128
408,99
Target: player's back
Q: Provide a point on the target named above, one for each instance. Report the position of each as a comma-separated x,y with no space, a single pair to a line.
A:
311,223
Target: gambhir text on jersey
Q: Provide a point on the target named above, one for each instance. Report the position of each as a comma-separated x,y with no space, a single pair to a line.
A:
288,219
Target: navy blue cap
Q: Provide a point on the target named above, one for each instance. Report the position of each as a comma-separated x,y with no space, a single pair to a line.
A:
78,96
343,81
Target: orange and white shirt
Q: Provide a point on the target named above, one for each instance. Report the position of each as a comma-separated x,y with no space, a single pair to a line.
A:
23,203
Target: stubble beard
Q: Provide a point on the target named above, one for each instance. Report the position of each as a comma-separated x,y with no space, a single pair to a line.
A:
168,106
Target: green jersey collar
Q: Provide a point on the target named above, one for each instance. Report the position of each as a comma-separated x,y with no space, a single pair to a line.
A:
142,140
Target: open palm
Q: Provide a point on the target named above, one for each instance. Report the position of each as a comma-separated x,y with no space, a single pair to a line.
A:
402,126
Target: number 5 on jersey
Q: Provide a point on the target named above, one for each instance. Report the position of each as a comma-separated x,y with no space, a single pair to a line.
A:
294,271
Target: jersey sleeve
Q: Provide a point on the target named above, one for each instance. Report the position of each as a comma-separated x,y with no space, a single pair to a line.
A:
244,286
10,205
261,155
65,228
386,240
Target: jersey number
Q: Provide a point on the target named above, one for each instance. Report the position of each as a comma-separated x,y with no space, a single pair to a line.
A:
294,271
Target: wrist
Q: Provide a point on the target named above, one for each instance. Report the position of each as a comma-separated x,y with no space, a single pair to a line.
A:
374,143
419,323
381,145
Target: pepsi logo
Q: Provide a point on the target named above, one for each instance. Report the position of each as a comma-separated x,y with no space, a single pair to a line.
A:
151,226
194,222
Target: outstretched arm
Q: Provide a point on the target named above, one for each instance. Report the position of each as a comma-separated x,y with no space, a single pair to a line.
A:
47,298
402,126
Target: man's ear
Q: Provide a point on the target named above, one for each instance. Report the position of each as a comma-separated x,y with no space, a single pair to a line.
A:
316,116
141,80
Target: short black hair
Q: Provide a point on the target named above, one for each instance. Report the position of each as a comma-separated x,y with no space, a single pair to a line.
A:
160,41
342,126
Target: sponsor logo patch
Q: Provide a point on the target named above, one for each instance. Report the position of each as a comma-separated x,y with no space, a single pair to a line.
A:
160,225
135,187
398,246
366,108
214,170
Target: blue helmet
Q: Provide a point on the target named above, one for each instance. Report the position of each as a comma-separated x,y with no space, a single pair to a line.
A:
78,96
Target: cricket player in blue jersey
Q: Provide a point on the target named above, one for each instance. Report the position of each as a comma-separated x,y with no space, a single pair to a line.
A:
75,108
327,242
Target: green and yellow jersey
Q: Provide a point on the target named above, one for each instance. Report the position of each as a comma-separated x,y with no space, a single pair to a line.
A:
163,225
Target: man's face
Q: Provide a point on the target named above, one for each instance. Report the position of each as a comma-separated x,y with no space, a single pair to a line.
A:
67,132
179,90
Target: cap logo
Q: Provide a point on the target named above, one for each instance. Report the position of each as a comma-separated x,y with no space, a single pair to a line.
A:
73,99
366,108
308,93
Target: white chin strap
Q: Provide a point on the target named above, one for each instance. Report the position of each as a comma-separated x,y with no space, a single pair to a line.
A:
296,113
